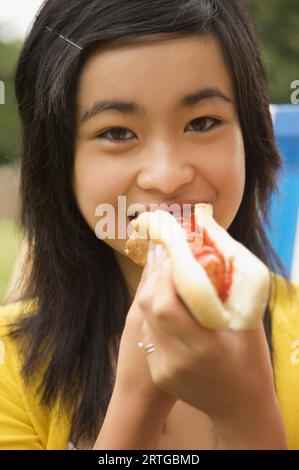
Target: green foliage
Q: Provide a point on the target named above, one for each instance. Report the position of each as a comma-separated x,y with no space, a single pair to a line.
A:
277,26
9,247
9,121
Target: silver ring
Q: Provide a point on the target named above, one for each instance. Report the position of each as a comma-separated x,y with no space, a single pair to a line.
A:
149,348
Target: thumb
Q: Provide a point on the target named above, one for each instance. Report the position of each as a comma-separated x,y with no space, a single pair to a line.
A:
147,267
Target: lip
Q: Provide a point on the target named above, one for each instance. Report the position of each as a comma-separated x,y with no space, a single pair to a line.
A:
153,206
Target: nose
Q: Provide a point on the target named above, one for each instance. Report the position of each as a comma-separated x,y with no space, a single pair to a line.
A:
165,171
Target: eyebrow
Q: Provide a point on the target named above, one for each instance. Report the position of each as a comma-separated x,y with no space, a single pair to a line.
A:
130,107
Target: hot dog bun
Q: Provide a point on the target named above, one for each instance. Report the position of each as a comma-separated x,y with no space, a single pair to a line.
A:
221,282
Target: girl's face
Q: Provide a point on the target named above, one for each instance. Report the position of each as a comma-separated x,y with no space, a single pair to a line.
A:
161,147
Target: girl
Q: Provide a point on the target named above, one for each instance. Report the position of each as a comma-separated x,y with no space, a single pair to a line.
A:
159,102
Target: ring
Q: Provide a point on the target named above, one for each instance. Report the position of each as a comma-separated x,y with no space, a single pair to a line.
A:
149,348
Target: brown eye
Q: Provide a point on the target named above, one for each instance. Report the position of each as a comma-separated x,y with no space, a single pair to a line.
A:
205,124
117,134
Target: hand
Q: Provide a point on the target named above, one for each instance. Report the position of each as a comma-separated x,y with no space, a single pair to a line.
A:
138,408
225,374
133,378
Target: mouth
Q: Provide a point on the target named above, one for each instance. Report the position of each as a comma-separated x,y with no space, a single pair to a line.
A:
137,213
134,216
176,214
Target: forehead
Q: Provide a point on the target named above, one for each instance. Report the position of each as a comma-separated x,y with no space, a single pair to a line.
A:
155,69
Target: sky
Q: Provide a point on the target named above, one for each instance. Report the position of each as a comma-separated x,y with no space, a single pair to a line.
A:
16,16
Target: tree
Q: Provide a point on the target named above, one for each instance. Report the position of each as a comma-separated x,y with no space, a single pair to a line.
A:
9,123
277,26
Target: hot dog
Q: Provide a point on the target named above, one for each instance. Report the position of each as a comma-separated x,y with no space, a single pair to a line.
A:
223,284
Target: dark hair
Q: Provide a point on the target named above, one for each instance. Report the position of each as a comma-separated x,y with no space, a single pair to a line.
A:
82,296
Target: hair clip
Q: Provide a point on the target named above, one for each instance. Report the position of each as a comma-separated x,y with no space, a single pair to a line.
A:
65,39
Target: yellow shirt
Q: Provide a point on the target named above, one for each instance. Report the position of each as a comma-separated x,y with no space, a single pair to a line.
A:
25,424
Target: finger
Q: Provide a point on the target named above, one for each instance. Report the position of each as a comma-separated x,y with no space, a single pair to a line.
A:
148,266
148,280
148,345
168,308
155,338
161,351
159,300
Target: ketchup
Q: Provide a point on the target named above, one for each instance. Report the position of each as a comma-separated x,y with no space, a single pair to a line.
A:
211,259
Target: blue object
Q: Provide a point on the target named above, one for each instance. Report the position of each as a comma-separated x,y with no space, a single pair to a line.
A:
284,213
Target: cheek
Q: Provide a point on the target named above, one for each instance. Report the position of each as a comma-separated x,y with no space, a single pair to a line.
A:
230,178
96,180
87,184
231,164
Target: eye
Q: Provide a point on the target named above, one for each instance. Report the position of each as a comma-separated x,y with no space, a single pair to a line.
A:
117,134
205,124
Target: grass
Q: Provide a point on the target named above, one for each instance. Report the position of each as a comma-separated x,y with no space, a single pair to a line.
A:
9,248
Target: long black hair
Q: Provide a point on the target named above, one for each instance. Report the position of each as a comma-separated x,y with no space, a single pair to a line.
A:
82,296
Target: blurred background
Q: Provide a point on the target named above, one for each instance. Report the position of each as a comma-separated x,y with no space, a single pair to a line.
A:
277,26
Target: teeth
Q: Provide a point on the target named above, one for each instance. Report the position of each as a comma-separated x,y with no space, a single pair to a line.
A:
134,216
